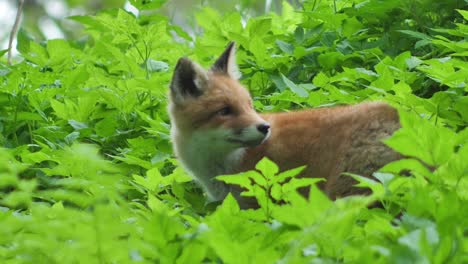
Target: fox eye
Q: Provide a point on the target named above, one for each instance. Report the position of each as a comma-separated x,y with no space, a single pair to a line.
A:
224,111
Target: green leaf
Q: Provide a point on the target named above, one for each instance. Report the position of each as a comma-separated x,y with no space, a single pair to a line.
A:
420,139
241,179
285,47
320,80
56,48
365,182
259,26
413,62
330,60
23,43
402,165
267,167
106,127
152,181
285,175
415,34
295,88
464,13
157,66
257,47
77,125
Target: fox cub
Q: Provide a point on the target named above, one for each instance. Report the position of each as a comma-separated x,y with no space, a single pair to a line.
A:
215,131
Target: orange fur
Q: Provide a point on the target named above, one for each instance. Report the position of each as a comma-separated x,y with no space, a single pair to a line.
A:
330,141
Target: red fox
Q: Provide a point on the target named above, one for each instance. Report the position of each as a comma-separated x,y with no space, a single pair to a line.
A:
215,131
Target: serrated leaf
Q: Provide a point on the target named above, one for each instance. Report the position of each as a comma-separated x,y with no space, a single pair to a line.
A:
376,187
418,138
267,167
321,79
288,174
259,26
241,179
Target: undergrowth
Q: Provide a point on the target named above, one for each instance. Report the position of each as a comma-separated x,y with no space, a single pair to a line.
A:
87,173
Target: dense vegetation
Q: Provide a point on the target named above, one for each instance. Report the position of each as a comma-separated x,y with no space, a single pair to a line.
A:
87,173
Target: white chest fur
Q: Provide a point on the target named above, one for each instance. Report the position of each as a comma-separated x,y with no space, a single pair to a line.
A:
206,154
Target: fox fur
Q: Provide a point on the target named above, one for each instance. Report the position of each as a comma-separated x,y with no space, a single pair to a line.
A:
215,130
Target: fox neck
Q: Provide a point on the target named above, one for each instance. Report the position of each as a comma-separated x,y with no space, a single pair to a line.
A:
206,158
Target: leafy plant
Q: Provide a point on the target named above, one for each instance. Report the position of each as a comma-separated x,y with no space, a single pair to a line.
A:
267,186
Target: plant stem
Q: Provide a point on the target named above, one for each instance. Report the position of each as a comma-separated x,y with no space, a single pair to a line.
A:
14,30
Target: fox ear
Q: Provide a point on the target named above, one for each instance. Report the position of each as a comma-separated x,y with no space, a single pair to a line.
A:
226,63
189,79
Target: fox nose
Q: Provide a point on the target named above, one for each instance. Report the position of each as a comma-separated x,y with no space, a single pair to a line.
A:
263,128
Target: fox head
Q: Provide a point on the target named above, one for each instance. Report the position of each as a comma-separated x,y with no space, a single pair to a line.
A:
212,108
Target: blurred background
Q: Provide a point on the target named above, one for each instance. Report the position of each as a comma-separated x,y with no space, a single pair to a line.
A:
46,19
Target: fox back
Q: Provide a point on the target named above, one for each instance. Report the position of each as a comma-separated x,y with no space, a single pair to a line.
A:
216,131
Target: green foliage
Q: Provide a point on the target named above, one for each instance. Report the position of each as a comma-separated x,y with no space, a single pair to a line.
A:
269,187
87,173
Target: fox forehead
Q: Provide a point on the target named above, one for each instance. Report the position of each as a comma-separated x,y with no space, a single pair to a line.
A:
221,91
223,87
